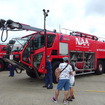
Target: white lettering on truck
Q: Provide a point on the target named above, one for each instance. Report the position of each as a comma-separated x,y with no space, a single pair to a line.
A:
82,41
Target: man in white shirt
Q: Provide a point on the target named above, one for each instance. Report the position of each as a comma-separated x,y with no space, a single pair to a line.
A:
63,80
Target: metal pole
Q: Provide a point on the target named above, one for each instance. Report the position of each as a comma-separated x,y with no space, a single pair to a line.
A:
46,41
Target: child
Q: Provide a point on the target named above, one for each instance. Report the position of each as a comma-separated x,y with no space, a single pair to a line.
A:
72,83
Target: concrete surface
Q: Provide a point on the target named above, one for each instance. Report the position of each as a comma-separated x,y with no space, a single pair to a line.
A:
22,90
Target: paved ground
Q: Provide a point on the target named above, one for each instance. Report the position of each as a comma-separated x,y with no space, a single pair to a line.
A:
22,90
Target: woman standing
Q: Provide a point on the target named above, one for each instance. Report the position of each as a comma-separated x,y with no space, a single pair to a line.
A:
72,83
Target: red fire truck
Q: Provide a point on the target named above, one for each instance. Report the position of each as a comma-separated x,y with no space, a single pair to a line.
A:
85,51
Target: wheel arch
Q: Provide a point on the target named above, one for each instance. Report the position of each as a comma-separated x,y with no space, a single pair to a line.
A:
100,66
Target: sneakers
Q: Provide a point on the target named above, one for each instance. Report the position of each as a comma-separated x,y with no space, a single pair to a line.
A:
54,100
49,87
69,99
64,102
73,97
44,86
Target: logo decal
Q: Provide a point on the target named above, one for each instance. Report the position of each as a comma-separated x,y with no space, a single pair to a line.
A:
82,42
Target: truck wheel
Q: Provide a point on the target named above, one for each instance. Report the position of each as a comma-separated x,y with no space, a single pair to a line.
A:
30,74
18,70
54,66
100,68
1,65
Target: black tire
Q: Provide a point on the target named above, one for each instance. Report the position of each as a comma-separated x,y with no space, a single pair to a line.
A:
1,65
100,68
18,70
54,66
30,74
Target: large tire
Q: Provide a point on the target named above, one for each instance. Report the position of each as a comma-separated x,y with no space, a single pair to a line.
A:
1,65
100,68
30,74
54,66
18,70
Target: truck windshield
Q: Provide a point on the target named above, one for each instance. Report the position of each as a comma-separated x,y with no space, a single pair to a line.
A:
39,41
20,43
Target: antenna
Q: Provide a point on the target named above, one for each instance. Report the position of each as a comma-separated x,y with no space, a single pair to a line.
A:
59,28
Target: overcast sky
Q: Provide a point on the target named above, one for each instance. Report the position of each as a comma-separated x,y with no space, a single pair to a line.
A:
79,15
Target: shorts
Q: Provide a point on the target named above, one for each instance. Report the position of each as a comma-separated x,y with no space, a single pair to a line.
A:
63,83
72,84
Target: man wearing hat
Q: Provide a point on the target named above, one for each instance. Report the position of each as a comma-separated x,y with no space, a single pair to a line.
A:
65,72
48,75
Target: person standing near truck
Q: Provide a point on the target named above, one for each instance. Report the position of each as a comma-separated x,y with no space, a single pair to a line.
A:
11,69
48,75
63,82
72,82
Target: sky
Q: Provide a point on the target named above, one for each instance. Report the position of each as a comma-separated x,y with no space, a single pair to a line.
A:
86,16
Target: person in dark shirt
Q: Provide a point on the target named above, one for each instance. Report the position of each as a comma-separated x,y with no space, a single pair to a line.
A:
12,69
48,75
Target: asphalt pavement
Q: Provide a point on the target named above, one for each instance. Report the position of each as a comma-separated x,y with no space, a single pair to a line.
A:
23,90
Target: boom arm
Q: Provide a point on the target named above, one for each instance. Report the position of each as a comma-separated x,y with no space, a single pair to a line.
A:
10,25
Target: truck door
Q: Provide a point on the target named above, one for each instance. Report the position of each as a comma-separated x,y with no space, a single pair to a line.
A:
36,43
26,55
